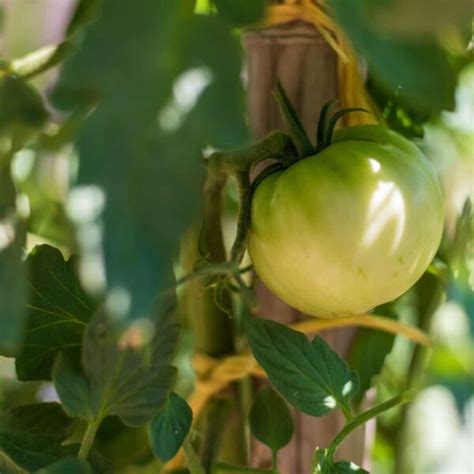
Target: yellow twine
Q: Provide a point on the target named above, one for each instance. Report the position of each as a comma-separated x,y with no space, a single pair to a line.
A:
213,375
352,92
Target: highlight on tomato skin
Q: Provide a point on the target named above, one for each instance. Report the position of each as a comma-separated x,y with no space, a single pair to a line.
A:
349,228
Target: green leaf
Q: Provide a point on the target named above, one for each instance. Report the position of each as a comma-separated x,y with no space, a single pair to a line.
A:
21,107
12,295
270,420
422,71
369,350
424,18
241,12
69,465
12,271
167,84
58,313
72,388
31,435
169,428
120,379
309,375
461,249
322,464
123,445
45,419
348,467
85,13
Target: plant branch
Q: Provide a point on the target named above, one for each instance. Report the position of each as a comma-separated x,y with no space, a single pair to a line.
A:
195,467
276,144
243,224
366,416
88,439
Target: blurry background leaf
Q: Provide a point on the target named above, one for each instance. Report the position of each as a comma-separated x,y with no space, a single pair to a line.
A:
422,71
58,312
270,420
70,465
174,67
423,18
86,11
126,377
368,353
169,428
309,375
21,110
123,445
241,12
31,435
396,115
72,389
13,292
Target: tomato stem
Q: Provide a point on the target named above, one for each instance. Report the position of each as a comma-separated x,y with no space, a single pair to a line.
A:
276,145
362,418
243,223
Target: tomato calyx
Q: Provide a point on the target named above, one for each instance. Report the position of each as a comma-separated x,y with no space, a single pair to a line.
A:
324,134
326,127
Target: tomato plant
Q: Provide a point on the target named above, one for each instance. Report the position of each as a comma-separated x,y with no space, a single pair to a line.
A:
138,220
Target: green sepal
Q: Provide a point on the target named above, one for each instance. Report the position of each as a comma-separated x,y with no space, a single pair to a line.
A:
292,121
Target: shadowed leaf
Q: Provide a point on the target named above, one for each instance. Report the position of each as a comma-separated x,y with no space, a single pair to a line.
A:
169,428
58,312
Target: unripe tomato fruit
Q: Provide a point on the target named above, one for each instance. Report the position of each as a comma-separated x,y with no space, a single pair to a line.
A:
349,228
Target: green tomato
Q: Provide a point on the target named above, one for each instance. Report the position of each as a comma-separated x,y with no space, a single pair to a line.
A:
349,228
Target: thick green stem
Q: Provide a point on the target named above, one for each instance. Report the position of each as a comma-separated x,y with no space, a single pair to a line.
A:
212,240
88,439
366,416
274,145
243,224
346,410
195,467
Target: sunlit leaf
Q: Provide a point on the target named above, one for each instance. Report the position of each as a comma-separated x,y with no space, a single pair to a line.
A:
309,375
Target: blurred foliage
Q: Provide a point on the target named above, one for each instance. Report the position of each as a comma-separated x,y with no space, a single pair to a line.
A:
116,175
145,165
423,72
